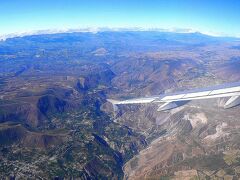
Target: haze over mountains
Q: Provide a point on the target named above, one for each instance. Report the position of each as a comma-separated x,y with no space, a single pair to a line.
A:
55,120
3,37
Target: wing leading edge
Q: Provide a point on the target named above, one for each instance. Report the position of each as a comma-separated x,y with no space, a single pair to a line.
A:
173,100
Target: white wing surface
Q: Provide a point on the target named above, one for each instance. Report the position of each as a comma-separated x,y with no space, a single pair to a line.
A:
173,100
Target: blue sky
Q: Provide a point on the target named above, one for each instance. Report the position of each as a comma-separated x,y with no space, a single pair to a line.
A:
209,16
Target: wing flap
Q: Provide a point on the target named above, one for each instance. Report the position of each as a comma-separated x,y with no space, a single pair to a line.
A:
232,102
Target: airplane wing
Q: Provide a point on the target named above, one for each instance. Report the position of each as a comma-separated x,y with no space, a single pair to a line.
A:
173,100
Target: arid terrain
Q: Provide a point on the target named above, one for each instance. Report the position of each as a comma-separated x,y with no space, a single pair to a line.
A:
56,122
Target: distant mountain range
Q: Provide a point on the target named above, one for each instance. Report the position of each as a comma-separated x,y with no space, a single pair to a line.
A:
3,37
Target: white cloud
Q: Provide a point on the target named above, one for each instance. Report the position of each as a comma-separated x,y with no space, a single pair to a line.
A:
99,29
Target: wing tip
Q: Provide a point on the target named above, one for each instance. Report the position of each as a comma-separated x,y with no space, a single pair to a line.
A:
113,101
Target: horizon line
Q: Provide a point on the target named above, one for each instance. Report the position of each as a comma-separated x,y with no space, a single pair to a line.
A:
6,36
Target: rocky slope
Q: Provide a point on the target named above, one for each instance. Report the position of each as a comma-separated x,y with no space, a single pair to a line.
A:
199,137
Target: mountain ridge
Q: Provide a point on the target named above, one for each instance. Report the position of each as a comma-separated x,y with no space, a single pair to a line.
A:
4,37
